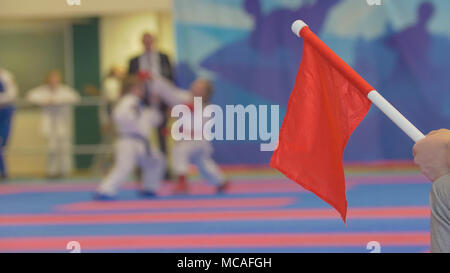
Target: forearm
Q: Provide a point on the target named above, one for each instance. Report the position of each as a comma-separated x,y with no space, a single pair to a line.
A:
37,100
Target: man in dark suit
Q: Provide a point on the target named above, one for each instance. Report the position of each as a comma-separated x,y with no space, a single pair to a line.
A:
156,63
151,60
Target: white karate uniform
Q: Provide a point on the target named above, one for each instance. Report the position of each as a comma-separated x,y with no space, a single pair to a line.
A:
110,94
197,152
56,124
133,123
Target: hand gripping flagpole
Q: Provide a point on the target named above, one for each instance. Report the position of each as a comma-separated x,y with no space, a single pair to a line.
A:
302,30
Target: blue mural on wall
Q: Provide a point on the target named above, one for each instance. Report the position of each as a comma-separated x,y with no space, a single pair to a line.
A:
247,48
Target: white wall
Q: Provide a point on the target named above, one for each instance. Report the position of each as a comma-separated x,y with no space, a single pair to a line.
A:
60,8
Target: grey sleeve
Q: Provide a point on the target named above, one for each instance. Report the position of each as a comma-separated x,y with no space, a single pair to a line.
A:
440,215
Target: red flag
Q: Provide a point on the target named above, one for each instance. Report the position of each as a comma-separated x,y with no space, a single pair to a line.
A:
323,110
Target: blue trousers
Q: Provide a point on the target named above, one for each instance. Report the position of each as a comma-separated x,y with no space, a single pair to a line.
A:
6,114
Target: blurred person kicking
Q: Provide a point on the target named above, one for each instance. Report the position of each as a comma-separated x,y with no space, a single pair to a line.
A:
8,94
133,121
432,154
198,152
155,62
56,100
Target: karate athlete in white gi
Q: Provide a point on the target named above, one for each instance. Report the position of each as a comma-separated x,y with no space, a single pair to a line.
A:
133,121
198,152
56,101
